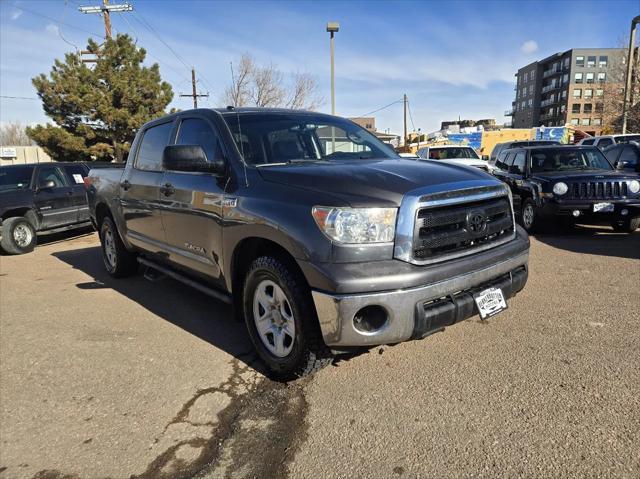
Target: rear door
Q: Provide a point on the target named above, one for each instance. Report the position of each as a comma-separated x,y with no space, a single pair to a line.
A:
140,189
55,204
192,203
75,176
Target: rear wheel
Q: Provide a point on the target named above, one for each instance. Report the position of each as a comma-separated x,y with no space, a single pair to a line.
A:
282,321
118,261
626,226
18,236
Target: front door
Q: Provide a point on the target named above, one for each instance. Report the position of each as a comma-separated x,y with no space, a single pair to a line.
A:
192,204
515,178
140,190
54,204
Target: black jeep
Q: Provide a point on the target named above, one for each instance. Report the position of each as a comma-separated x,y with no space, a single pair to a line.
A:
569,184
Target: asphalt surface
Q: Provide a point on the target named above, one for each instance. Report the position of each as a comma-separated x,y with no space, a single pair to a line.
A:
103,378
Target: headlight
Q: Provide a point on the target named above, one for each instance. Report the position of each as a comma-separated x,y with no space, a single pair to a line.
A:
634,186
560,188
357,225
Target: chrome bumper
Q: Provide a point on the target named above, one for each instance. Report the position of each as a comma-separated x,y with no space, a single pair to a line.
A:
336,312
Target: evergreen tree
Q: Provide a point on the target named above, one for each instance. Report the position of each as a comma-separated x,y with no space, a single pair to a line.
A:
98,109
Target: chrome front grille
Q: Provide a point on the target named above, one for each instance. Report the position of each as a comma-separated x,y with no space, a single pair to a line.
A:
605,190
453,229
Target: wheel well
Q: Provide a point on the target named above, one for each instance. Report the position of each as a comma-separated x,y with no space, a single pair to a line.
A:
248,250
102,210
26,212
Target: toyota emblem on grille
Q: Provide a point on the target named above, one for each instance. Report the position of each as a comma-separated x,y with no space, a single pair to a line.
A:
476,221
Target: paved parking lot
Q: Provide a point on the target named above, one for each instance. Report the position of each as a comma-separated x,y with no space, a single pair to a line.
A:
103,378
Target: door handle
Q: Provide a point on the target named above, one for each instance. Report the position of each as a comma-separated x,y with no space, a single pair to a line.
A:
167,189
125,185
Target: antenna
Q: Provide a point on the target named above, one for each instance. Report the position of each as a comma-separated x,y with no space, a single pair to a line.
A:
244,162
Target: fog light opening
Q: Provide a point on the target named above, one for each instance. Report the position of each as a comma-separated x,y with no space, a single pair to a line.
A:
370,319
624,212
576,213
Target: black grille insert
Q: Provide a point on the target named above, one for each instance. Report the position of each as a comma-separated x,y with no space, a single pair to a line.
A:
604,190
451,229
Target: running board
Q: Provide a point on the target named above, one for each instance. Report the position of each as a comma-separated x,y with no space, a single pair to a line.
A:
214,293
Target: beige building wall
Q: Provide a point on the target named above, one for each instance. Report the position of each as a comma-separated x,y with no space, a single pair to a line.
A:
19,155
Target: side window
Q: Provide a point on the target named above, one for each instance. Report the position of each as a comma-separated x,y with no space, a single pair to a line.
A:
501,163
518,164
588,142
76,174
605,142
152,146
194,131
629,154
51,173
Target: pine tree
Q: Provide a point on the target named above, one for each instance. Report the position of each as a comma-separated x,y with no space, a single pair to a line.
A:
98,109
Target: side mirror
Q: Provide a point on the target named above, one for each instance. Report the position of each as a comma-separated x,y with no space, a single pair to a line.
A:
621,165
47,185
191,158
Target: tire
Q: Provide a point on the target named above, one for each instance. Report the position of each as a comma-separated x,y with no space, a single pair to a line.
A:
626,226
118,261
528,216
287,338
18,236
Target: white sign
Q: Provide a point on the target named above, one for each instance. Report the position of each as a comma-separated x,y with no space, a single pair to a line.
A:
78,178
8,152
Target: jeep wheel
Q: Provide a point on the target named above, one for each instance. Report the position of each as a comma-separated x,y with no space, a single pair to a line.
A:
117,260
626,226
18,236
528,216
282,321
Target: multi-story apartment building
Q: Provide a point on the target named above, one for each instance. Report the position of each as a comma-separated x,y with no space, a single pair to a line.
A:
567,87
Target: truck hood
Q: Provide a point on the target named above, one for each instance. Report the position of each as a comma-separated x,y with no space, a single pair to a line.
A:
369,182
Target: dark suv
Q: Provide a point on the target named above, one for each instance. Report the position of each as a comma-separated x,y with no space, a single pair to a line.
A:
569,183
500,147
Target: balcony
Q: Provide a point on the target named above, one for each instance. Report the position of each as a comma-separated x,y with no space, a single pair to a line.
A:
548,116
509,112
553,71
547,102
553,86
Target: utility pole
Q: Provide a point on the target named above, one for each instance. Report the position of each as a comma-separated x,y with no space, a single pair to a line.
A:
194,92
406,140
332,28
105,10
630,66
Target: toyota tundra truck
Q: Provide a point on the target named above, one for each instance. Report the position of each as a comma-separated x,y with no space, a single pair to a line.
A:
322,238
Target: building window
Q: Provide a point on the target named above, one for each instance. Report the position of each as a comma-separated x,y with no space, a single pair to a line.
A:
579,61
575,121
585,121
590,77
522,105
566,62
597,121
591,62
588,93
530,89
602,77
575,108
564,94
524,92
565,78
604,60
533,74
599,92
530,102
588,108
563,108
578,78
526,77
577,93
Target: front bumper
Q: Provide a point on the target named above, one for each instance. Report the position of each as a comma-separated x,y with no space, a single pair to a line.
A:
415,312
585,207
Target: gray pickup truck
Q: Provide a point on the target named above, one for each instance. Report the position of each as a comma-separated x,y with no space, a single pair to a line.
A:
320,235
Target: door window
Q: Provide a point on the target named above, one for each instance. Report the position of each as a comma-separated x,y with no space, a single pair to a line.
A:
630,155
517,168
502,161
152,147
194,131
605,142
76,173
51,173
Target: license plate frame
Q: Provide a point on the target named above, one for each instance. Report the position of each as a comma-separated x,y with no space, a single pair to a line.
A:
490,302
603,207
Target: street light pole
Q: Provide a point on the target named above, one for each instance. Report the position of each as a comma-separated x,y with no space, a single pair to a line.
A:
332,28
630,65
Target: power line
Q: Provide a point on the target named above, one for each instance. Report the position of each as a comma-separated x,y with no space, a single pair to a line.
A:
57,21
411,116
18,97
382,108
148,26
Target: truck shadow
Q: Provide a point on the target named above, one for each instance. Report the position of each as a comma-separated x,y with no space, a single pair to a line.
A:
198,314
596,240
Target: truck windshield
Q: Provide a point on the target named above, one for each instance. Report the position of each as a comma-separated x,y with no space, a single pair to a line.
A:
451,153
274,138
565,159
15,177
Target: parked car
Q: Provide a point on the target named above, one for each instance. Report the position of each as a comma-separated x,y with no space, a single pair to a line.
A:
458,155
500,147
322,237
40,198
608,140
624,156
569,183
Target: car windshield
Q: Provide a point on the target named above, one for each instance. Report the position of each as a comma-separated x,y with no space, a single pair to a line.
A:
627,138
273,138
568,159
15,177
451,153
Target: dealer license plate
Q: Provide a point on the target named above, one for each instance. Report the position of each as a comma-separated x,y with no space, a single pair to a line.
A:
490,302
603,207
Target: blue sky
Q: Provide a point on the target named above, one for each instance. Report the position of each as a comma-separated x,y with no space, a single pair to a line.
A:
452,59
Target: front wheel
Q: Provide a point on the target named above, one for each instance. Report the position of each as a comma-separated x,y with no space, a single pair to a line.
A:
626,226
282,321
528,217
18,236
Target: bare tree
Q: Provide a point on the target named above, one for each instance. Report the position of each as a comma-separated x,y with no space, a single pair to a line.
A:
266,87
14,134
613,94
